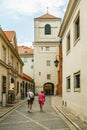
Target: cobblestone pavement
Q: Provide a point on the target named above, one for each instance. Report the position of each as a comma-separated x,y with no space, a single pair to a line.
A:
20,118
57,105
6,109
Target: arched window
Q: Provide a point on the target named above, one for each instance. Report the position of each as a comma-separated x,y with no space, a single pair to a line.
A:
47,29
12,80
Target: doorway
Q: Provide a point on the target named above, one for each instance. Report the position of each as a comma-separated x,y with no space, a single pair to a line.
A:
48,88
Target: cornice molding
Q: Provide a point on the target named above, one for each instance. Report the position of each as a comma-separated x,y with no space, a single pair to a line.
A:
68,14
46,43
3,64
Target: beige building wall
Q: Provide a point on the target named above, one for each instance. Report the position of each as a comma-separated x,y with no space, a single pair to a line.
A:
39,30
10,66
41,69
74,60
2,69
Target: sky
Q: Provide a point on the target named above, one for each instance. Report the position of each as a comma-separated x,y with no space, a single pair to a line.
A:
18,16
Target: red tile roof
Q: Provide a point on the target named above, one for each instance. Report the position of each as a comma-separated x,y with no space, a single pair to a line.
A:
27,77
47,15
25,50
9,34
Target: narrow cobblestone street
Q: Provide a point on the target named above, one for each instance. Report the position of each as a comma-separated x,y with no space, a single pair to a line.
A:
49,119
53,106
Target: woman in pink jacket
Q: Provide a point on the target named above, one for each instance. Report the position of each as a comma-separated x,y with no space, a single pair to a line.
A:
41,100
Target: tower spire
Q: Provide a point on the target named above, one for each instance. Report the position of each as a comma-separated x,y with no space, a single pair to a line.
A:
47,9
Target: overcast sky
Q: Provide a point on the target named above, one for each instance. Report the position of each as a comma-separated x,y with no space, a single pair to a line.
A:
18,15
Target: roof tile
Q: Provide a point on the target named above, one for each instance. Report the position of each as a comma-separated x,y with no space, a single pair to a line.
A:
27,77
47,15
9,34
25,50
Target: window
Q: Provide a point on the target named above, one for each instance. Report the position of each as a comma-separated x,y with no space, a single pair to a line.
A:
39,73
31,66
32,60
41,48
12,60
17,66
47,48
21,70
68,87
47,29
4,54
17,87
48,62
77,81
68,42
25,51
48,76
3,84
77,27
12,80
25,59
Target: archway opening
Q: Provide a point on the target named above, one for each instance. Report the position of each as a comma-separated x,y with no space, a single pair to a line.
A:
48,88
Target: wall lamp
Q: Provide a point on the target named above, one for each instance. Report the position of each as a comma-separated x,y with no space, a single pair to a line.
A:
56,61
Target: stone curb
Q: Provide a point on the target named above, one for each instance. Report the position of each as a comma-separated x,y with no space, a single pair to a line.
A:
72,122
12,107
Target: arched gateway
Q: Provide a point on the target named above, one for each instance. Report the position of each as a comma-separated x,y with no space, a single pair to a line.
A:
48,88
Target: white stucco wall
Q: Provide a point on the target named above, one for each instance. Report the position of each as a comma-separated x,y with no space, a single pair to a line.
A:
76,61
28,65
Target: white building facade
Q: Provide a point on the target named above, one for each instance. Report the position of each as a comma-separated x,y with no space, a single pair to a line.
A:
26,54
45,45
74,35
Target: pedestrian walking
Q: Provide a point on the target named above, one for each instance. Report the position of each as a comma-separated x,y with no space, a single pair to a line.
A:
30,99
41,100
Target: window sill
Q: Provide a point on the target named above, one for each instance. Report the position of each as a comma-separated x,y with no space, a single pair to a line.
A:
68,90
76,41
76,89
67,52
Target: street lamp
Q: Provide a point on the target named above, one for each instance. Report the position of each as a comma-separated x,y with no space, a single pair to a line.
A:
56,62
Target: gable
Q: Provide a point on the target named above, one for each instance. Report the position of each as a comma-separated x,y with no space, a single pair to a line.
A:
11,35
